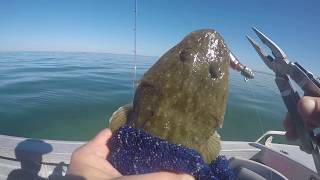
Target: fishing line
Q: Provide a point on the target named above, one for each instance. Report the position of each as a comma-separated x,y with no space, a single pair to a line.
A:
257,112
260,122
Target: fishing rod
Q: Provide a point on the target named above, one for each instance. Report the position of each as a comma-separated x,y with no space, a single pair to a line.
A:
135,47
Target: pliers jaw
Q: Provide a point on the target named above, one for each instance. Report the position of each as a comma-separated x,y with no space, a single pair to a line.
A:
266,59
275,49
278,62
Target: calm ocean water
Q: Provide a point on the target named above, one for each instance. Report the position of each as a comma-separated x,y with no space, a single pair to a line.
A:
70,96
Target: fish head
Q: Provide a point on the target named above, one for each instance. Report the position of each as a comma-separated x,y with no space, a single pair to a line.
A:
182,97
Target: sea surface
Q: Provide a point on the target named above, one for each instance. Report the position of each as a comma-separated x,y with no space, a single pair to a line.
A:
70,96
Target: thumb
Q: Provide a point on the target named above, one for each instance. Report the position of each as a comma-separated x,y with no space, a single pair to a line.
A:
309,109
102,137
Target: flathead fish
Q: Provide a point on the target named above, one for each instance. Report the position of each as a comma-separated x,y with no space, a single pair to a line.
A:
182,97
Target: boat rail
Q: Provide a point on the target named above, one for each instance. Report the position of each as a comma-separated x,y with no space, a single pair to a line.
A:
268,136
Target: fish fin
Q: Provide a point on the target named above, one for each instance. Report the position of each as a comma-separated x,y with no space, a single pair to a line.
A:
119,117
210,150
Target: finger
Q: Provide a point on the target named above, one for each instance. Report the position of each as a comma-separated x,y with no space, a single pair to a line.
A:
306,106
98,145
93,157
102,137
158,176
309,108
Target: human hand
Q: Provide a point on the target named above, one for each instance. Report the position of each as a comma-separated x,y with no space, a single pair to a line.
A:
309,109
90,162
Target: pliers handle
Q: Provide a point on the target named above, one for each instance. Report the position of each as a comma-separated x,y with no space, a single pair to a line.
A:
284,71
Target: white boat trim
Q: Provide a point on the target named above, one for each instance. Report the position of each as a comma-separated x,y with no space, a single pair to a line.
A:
54,163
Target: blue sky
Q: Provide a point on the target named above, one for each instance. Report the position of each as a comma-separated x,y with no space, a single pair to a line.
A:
106,26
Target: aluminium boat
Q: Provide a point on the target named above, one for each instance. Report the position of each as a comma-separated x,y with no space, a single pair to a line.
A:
261,159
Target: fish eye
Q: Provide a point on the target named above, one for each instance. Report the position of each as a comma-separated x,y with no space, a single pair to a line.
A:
214,71
186,54
151,113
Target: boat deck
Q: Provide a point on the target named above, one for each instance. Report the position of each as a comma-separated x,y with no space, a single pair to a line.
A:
54,156
39,158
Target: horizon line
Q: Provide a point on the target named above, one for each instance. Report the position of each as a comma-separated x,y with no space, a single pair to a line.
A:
99,52
59,51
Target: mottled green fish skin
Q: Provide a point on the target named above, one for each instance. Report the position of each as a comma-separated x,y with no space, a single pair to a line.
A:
182,97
